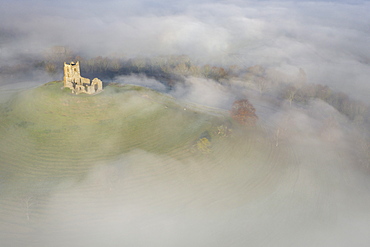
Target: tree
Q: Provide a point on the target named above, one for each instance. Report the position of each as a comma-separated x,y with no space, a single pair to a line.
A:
218,73
50,68
289,94
138,63
243,112
182,69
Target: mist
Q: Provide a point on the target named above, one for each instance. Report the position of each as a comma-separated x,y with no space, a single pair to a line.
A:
298,177
329,40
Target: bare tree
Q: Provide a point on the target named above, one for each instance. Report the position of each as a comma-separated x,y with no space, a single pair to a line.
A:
290,94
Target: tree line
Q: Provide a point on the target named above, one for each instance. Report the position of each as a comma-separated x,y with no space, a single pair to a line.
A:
170,70
354,110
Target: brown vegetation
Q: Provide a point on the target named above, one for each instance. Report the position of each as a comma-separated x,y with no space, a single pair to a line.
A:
243,112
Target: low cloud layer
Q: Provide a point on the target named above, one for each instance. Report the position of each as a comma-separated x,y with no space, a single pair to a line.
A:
300,178
327,39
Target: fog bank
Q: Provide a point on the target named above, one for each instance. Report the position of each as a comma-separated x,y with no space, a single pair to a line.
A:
327,39
169,165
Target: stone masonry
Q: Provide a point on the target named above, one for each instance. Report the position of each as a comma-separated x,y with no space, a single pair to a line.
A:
73,80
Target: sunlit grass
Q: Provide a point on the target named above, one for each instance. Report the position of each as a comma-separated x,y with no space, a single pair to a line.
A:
47,131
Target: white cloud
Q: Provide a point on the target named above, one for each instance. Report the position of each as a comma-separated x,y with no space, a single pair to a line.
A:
204,92
303,187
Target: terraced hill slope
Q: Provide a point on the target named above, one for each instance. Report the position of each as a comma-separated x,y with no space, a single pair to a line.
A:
49,135
51,128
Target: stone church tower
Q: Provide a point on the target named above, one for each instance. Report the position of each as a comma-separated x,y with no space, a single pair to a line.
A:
73,80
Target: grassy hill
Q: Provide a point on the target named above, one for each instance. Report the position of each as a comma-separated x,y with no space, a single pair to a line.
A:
47,131
48,135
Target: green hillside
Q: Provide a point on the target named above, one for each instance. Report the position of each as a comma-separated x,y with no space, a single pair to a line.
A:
50,128
48,134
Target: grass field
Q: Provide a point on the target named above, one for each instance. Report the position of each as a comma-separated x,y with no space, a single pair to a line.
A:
50,133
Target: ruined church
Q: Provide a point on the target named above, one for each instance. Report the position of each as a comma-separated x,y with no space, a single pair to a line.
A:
74,81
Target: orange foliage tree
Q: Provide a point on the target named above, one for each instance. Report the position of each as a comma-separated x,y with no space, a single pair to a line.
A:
243,112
